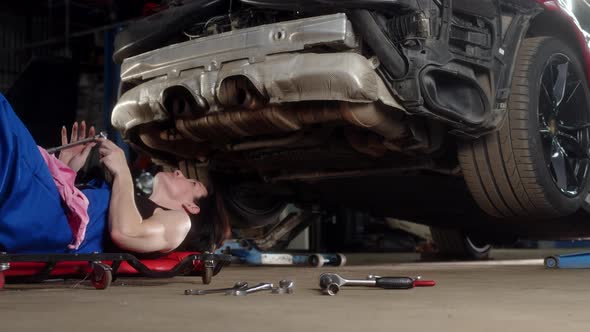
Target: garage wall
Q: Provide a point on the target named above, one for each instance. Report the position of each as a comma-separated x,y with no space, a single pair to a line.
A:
12,36
16,35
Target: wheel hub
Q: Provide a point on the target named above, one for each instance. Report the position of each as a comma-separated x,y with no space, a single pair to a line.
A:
564,128
552,127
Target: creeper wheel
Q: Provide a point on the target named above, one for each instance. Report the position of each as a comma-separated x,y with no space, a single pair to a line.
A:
207,275
101,276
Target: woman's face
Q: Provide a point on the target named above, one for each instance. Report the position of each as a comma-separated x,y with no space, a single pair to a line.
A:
179,187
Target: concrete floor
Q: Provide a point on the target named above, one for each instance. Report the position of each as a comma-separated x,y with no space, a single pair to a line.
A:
504,294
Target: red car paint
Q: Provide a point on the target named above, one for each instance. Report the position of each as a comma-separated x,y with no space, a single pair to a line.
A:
583,37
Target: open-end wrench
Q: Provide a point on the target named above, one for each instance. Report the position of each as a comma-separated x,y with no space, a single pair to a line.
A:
239,285
285,287
330,283
258,288
102,134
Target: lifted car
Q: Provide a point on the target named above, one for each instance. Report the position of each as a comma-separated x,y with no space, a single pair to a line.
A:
469,116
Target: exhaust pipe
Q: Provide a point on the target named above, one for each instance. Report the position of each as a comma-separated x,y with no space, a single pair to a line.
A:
227,125
375,118
394,63
239,92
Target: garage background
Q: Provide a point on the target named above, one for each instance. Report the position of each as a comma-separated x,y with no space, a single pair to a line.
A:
55,61
56,68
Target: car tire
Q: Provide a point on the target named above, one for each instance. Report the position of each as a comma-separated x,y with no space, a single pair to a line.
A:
248,207
520,170
456,244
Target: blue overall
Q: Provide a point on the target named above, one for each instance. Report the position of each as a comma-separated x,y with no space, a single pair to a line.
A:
32,218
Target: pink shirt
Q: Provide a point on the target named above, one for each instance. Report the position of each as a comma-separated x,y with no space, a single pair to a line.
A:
77,203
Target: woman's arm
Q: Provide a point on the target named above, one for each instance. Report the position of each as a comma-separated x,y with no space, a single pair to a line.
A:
164,231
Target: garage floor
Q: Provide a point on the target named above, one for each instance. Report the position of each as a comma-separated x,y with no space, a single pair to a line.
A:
504,294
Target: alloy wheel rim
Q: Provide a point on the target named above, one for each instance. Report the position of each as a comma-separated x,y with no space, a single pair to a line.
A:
564,125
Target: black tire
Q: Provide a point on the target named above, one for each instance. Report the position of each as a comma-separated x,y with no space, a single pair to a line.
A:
249,206
207,276
455,244
101,276
506,171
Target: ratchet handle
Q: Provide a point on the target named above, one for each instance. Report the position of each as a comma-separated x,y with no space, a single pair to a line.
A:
424,283
395,282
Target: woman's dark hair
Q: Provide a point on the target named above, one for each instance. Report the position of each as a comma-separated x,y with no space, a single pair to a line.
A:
210,227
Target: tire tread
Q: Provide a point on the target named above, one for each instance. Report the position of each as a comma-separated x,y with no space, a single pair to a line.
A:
498,168
452,243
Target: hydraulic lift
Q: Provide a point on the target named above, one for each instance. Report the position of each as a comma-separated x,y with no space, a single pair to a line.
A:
569,261
246,252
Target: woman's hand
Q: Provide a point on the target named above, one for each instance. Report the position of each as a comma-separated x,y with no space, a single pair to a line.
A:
76,156
113,158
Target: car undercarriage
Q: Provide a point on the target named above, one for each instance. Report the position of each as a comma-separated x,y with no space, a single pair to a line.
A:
407,108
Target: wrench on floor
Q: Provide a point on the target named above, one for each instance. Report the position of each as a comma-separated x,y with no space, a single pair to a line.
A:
330,283
258,288
285,287
238,286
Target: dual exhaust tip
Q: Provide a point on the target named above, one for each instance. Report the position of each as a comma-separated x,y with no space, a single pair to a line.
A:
234,92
